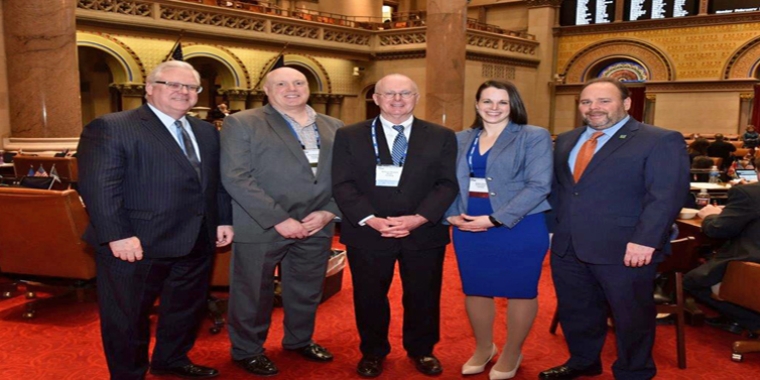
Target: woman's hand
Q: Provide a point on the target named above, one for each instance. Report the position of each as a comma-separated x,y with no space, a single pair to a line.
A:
474,223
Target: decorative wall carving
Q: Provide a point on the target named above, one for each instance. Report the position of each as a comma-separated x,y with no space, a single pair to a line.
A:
127,7
669,23
501,60
744,62
294,30
656,62
543,3
482,41
130,89
211,18
406,38
496,71
346,37
702,86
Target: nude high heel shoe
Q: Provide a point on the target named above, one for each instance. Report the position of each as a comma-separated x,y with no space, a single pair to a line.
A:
474,369
498,375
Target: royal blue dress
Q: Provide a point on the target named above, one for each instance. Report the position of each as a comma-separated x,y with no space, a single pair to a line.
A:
500,262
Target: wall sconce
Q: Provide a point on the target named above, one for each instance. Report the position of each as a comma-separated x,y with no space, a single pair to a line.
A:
357,71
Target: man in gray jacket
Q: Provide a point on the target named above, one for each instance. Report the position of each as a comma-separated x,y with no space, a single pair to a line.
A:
276,164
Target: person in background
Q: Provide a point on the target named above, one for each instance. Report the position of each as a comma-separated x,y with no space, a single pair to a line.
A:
150,180
739,223
750,137
393,178
220,112
504,169
618,186
698,147
276,163
723,149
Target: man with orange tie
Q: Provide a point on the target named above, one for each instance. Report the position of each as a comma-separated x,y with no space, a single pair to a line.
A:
618,186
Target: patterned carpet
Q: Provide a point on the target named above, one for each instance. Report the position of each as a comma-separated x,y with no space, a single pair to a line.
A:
64,343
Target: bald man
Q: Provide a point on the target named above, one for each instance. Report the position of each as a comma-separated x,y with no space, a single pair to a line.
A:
276,164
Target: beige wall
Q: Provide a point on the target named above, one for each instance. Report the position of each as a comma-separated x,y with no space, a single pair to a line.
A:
715,112
565,113
372,8
5,124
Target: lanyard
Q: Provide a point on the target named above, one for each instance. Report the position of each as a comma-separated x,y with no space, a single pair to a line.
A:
472,152
377,150
316,133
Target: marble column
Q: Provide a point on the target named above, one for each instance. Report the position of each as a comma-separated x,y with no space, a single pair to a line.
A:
41,55
319,102
334,106
132,95
445,62
255,99
542,18
236,98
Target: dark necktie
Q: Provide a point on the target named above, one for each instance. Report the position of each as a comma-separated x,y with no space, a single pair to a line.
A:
186,143
584,155
399,146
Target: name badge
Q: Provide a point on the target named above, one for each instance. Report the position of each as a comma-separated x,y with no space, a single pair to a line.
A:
312,155
478,185
388,175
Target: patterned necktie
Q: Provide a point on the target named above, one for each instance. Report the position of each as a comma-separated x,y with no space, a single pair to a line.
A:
584,155
187,146
399,146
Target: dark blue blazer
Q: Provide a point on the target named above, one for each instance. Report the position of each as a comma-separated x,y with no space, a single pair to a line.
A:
136,181
631,191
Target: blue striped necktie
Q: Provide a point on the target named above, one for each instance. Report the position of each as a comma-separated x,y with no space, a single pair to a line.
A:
399,146
187,146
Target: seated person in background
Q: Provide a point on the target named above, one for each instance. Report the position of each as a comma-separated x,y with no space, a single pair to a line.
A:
739,222
750,137
698,147
220,112
704,163
723,149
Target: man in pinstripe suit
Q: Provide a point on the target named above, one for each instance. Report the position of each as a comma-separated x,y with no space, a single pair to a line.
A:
150,180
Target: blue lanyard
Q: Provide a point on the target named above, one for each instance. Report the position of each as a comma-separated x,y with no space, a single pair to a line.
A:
472,152
377,150
316,133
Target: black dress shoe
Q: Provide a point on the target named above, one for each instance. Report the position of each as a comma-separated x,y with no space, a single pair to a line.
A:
258,365
564,372
725,324
370,366
314,352
190,371
428,364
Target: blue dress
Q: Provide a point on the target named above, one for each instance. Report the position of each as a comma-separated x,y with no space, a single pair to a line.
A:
500,262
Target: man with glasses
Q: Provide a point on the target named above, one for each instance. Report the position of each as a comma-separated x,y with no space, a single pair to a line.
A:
393,178
150,180
276,166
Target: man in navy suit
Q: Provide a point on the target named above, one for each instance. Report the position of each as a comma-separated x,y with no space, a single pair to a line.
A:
150,180
394,177
618,186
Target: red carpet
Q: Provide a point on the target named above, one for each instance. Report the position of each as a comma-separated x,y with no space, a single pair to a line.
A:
64,343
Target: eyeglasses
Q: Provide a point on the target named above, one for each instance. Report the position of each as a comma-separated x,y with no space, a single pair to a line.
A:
392,95
178,86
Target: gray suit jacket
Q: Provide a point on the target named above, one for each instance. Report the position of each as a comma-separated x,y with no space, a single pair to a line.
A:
268,176
518,172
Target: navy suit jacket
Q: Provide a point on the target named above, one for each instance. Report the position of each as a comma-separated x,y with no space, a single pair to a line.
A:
631,191
518,172
427,186
136,181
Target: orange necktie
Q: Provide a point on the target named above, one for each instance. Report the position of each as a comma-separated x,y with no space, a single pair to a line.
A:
585,155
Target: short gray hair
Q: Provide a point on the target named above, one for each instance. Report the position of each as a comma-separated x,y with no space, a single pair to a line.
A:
171,65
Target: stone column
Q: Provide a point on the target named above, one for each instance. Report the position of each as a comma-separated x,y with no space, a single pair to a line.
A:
236,98
445,62
255,99
334,105
132,95
319,102
542,16
43,74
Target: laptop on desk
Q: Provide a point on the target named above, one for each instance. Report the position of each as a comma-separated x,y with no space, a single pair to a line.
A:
748,175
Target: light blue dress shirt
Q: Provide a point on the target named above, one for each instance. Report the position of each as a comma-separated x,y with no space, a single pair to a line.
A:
168,122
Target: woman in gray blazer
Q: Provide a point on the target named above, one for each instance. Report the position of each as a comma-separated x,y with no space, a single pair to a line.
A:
504,169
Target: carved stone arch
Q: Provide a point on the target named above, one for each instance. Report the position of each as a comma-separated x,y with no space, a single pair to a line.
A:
657,63
744,62
305,62
237,75
124,64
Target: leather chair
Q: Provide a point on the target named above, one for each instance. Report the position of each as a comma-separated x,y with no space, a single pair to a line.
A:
65,166
683,258
736,288
40,241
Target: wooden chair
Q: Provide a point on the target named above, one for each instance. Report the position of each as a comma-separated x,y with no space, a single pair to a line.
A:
737,288
40,241
741,152
737,144
683,258
65,166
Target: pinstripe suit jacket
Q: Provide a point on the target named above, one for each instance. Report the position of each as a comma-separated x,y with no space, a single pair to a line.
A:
136,181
